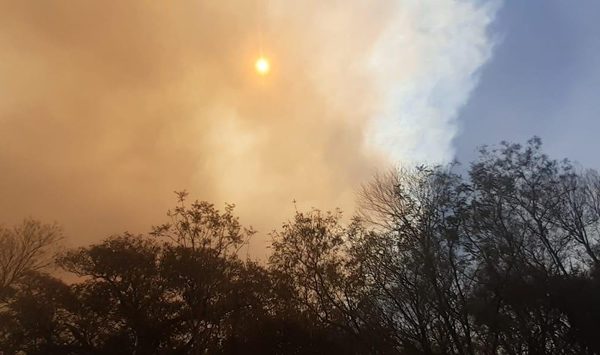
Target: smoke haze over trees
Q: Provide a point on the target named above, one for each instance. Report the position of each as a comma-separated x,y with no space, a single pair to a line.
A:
502,260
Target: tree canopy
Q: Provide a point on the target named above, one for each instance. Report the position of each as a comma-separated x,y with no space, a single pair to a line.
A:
504,259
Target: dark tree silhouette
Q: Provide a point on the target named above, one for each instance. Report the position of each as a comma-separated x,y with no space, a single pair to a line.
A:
26,248
504,260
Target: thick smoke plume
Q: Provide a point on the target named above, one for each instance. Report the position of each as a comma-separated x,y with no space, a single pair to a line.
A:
106,107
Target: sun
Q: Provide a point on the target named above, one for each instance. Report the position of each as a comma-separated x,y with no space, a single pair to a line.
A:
262,66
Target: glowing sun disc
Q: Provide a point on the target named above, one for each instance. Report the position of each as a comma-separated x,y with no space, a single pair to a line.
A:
262,66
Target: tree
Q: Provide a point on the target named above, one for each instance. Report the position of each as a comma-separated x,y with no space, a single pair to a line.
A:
203,227
26,248
413,259
181,290
35,321
531,224
311,258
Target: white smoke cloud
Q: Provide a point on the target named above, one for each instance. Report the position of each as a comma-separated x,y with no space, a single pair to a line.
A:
425,64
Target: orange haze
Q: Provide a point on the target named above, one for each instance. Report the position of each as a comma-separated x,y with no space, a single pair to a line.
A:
107,107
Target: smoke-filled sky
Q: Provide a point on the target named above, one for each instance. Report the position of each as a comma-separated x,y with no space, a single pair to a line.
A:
107,107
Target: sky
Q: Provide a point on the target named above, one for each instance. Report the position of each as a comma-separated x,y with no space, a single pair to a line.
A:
543,79
106,108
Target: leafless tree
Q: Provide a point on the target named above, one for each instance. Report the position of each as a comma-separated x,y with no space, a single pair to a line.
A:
25,248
